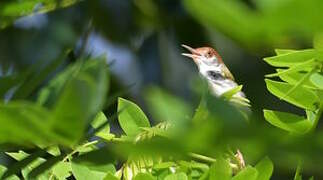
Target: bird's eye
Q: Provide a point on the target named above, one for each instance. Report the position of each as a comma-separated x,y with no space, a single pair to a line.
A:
208,54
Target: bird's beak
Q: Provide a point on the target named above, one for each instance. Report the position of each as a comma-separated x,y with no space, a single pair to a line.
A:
194,53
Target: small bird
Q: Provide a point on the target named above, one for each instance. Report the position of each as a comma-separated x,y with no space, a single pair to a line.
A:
211,67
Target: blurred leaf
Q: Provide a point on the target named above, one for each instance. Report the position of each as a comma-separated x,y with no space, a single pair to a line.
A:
299,169
301,97
317,80
211,13
265,169
25,123
50,93
131,117
220,170
177,176
82,98
318,45
144,176
4,169
287,121
12,10
164,165
166,107
248,173
291,59
36,78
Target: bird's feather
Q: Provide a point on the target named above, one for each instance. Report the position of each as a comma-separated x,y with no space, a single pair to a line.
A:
227,73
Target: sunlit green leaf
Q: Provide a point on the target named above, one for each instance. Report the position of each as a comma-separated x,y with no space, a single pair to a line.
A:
265,169
287,121
131,117
230,93
294,77
144,176
317,80
220,170
248,173
110,176
99,120
284,51
291,59
12,10
301,97
177,176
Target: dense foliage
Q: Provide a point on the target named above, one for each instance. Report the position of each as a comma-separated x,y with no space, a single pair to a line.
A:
65,119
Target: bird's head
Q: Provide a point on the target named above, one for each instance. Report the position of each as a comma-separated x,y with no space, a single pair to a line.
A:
203,55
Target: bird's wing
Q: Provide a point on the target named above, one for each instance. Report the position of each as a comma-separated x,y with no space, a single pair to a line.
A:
227,73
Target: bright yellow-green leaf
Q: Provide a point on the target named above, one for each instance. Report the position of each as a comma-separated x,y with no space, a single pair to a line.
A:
287,121
248,173
301,97
291,59
265,169
131,117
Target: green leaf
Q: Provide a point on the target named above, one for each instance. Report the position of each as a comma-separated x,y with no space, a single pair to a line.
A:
164,165
287,121
227,95
301,97
97,160
49,94
284,51
317,80
25,123
131,117
81,172
43,167
110,176
101,120
144,176
4,169
309,64
292,58
37,77
299,169
177,176
248,173
294,77
265,169
82,98
220,170
166,107
13,10
26,163
318,45
62,170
